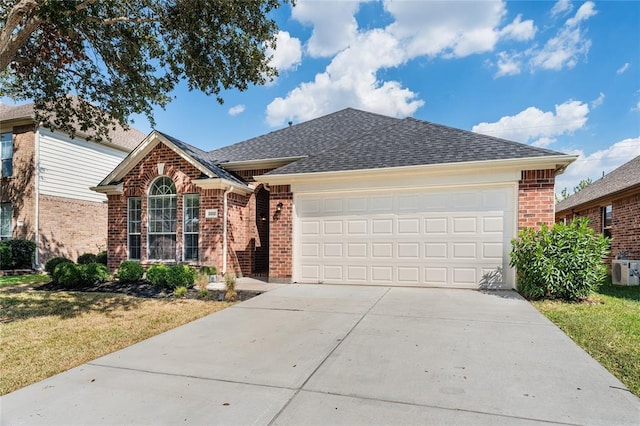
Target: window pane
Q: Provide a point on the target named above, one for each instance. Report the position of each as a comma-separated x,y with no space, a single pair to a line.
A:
7,168
191,247
162,247
6,216
191,213
134,247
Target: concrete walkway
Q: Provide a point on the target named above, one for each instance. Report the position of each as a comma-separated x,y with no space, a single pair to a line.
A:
312,354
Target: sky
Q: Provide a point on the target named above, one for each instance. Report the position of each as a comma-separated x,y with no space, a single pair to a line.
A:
560,75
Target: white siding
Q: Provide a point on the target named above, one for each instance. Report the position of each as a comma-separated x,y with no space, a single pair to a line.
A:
68,167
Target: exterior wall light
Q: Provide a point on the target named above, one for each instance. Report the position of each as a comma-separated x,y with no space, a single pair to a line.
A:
279,207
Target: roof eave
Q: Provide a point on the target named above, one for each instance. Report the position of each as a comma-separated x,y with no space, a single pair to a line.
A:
117,189
267,163
556,162
598,200
223,184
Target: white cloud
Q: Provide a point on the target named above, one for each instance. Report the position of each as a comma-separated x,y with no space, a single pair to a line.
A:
586,11
334,25
623,68
350,80
543,142
598,101
288,53
519,30
561,7
637,107
236,110
508,64
593,165
532,123
561,51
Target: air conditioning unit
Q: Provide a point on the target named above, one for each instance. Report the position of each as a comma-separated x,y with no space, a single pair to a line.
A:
625,272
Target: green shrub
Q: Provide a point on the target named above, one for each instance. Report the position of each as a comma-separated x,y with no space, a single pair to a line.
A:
22,252
86,258
209,270
130,271
102,258
67,274
6,257
158,275
180,291
51,264
181,275
562,262
94,273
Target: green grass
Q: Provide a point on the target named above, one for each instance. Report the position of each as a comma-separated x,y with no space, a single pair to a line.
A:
607,326
45,333
13,280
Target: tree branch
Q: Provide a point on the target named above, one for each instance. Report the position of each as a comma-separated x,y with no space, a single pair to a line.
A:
112,21
10,43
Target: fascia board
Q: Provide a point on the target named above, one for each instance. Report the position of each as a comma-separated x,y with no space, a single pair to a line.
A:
556,162
223,184
117,189
269,163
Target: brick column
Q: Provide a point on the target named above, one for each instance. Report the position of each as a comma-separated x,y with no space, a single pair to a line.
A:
117,231
280,234
536,198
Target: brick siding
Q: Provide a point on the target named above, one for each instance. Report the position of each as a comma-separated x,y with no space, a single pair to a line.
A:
280,234
536,198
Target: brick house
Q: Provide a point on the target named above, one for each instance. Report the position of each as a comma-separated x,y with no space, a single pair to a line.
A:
612,205
352,197
44,185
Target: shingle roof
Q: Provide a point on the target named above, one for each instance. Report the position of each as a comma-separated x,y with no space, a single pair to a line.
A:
624,177
126,138
308,138
204,158
411,142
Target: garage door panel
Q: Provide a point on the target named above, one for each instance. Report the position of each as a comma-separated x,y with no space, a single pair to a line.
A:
412,239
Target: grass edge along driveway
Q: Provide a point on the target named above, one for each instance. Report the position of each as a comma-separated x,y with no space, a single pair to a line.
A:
45,333
606,326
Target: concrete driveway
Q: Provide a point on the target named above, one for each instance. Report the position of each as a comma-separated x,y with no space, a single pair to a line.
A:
307,354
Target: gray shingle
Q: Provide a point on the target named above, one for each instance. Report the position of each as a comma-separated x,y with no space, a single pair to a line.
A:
625,176
204,158
308,138
410,142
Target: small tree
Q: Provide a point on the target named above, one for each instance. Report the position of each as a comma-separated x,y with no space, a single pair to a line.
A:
561,262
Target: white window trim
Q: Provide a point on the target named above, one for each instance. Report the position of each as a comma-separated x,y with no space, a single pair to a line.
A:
174,196
184,226
2,207
129,233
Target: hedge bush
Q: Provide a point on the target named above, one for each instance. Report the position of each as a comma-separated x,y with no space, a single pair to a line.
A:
67,274
182,276
6,257
102,258
22,252
86,258
562,262
94,273
51,264
130,271
158,275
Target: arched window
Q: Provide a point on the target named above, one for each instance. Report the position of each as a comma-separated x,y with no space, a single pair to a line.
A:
162,219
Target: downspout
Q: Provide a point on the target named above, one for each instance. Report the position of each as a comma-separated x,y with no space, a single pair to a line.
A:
224,230
36,203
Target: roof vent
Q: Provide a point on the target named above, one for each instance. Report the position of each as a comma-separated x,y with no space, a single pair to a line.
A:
290,123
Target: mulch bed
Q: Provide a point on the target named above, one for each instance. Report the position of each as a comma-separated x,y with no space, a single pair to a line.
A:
145,290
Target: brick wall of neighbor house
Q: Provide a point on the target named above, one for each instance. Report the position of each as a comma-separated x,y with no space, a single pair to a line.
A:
536,198
625,229
280,234
70,227
19,189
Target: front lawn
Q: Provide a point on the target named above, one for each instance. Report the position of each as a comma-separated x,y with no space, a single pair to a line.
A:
45,333
607,326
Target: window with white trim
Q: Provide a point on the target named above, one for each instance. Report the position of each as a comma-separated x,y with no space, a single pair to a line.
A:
134,228
6,221
607,220
162,220
6,154
191,226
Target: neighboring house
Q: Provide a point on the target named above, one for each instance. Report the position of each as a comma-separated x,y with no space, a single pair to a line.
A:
45,180
612,205
349,198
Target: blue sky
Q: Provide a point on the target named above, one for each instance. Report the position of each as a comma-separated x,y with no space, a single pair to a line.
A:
563,75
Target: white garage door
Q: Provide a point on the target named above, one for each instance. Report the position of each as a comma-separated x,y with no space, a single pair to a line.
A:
447,238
